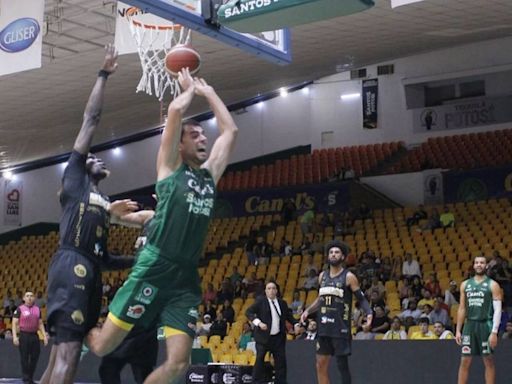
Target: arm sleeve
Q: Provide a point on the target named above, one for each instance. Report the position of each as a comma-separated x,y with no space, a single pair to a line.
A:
117,262
363,302
16,313
496,318
75,175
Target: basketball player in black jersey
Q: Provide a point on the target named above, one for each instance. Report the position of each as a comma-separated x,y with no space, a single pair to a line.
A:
334,306
74,277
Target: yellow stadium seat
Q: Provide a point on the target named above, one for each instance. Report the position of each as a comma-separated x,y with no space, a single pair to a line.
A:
214,340
241,359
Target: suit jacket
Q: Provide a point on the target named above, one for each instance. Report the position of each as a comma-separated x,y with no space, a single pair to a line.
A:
261,310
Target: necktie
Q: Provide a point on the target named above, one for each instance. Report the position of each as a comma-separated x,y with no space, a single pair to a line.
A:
275,307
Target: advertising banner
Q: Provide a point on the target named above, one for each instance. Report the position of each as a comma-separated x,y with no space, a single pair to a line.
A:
370,100
21,30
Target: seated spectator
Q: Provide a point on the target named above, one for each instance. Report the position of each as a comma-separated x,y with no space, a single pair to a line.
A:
376,301
452,294
265,252
417,287
240,290
408,322
441,332
365,333
508,331
226,292
296,305
410,267
228,312
426,299
386,269
405,286
380,321
219,326
432,285
406,300
424,333
434,222
235,276
396,268
311,331
439,315
395,333
368,267
411,311
447,218
10,309
425,311
250,249
305,247
203,328
40,300
210,309
419,214
210,294
245,337
311,281
376,286
364,212
7,299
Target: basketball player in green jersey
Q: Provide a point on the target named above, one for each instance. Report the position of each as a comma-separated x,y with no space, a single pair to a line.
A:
164,281
480,312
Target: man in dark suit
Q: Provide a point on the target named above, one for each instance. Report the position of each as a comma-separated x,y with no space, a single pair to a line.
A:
268,315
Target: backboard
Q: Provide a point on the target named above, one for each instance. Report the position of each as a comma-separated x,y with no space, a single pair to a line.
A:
273,46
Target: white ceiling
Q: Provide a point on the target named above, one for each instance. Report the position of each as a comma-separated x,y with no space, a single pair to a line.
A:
42,109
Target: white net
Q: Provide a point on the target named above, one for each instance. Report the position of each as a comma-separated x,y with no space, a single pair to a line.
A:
155,79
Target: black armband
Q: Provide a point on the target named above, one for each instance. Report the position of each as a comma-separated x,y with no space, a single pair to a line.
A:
363,302
104,74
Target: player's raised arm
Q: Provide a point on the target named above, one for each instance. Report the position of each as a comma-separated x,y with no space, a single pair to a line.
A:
169,159
92,111
223,146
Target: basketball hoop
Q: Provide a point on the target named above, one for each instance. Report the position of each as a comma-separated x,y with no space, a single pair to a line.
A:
153,42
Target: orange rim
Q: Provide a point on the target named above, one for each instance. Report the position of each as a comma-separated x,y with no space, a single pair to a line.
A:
130,12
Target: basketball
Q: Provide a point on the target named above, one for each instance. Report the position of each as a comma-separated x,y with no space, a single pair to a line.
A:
182,56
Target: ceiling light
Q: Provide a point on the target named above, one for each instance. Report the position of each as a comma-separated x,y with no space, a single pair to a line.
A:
283,92
116,151
305,90
349,96
8,175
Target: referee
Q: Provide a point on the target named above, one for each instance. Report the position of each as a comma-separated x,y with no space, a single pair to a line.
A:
28,318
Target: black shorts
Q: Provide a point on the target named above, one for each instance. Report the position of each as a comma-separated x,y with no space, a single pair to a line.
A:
334,346
74,295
